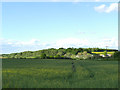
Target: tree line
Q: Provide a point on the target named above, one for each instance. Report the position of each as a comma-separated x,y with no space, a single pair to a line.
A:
61,53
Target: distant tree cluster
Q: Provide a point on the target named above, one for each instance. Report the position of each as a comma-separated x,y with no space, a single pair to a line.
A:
61,53
117,55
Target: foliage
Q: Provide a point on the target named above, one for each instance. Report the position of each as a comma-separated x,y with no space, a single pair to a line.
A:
43,56
105,53
61,53
117,55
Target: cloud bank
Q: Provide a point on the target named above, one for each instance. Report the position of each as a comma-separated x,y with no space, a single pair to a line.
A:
12,46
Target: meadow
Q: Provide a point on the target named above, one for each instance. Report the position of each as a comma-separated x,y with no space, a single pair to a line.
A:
56,73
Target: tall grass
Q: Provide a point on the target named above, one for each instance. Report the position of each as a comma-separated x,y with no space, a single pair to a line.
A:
35,73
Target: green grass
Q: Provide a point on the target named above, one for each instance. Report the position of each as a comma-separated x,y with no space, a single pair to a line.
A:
35,73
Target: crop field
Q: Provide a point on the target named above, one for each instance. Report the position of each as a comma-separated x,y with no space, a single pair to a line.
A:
53,73
103,52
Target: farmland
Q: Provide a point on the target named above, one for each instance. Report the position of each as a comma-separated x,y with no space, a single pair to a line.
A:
57,73
103,52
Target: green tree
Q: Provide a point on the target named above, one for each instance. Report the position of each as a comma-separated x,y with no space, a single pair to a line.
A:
117,54
57,57
43,56
105,53
85,53
92,50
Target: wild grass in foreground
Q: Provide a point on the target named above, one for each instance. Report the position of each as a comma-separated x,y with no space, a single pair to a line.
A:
38,73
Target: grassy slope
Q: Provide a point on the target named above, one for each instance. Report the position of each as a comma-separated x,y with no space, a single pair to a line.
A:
35,73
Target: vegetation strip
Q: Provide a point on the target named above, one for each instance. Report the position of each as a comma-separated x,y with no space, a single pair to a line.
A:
68,53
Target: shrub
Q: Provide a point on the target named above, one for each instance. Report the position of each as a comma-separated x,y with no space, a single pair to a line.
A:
117,55
43,56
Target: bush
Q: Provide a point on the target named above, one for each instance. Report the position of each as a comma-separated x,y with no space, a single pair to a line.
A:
105,53
43,56
117,55
37,57
57,57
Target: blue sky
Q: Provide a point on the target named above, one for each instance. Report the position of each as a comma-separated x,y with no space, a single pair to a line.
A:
34,26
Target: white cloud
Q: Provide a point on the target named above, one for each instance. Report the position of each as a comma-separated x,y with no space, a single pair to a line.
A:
76,0
97,0
100,8
107,9
110,42
11,46
31,42
72,42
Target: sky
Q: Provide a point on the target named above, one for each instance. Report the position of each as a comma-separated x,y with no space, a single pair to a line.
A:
31,26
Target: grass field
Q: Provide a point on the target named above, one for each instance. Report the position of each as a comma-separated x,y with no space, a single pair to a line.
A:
35,73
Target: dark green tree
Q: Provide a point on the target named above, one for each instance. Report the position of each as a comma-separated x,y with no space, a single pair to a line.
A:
43,56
